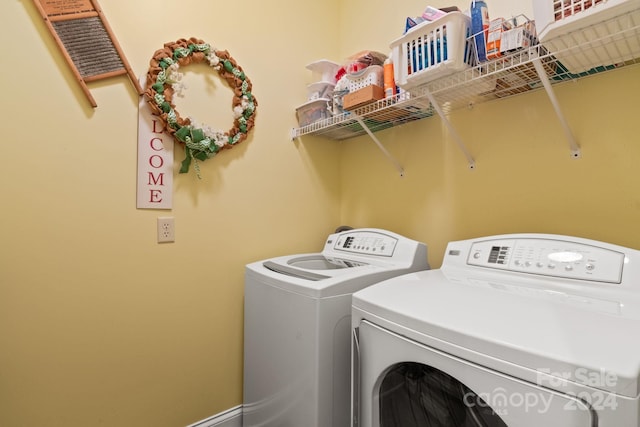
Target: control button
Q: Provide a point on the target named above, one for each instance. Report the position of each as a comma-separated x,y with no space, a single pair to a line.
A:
527,264
539,265
551,266
476,255
517,262
590,267
568,267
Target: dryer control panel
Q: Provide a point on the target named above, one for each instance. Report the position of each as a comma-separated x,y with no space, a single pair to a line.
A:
549,257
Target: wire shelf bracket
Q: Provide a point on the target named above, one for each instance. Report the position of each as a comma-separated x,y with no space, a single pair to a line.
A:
544,79
388,155
454,134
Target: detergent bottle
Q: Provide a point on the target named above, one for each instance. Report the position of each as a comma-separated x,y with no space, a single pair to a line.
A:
480,27
389,79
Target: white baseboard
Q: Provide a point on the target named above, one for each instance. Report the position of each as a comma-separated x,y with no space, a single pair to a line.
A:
229,418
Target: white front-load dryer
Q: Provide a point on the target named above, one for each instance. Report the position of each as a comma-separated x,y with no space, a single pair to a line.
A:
297,326
522,330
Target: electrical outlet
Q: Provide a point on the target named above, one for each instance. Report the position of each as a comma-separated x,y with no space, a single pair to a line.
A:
166,229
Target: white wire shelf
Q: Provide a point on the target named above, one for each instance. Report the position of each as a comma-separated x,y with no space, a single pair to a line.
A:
610,45
382,114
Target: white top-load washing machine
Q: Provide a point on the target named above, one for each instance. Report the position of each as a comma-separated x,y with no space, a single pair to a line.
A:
297,326
522,330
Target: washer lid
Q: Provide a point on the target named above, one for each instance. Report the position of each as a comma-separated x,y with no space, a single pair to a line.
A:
312,267
293,272
502,320
318,277
299,266
321,262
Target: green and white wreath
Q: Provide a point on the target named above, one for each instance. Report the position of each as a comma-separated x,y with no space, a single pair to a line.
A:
164,81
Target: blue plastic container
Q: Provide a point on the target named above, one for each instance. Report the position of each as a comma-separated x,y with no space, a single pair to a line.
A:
480,27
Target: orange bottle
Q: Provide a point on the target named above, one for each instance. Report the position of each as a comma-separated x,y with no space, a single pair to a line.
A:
389,79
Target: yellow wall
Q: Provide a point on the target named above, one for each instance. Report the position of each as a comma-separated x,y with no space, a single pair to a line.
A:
525,180
99,324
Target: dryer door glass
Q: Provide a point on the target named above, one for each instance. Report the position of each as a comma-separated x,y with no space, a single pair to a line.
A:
417,395
403,383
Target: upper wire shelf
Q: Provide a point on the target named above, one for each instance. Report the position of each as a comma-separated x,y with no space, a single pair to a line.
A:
611,45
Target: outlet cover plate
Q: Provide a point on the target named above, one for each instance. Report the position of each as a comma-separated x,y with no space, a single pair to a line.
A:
166,229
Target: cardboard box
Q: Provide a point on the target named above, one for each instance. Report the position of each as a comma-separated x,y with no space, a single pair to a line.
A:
519,37
497,27
364,96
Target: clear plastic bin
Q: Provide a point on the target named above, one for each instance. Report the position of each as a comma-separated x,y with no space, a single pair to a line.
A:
431,50
313,111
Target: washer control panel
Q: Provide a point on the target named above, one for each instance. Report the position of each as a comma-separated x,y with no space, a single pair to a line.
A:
557,258
365,242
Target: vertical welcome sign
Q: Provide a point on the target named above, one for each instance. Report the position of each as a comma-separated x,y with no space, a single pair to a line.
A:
155,161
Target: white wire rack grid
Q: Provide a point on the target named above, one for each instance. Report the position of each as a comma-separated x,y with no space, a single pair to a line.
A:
611,44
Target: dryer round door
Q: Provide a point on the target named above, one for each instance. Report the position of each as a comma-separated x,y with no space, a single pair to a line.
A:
403,383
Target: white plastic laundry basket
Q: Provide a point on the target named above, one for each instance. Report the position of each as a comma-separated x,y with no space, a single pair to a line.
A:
371,75
431,50
584,34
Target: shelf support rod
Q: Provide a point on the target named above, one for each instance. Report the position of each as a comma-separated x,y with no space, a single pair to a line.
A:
452,130
573,145
395,163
